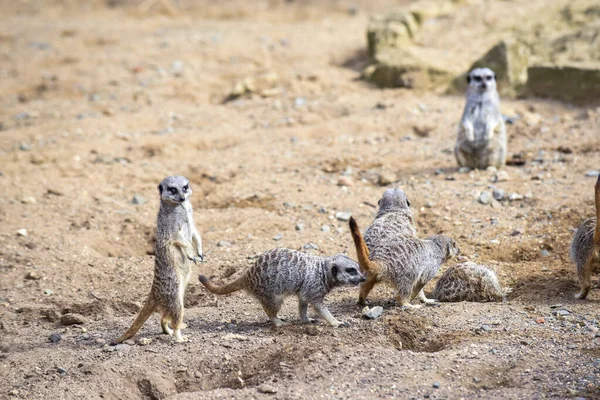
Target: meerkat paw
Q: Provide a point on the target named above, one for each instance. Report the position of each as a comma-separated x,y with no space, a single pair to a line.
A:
408,306
429,301
278,323
361,302
167,331
581,295
339,324
179,338
309,321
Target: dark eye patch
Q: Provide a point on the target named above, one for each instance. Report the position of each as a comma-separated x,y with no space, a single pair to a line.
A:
351,271
172,190
489,78
407,202
477,78
185,188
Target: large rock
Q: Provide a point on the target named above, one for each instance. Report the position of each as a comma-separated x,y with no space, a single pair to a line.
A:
390,31
410,67
573,83
509,60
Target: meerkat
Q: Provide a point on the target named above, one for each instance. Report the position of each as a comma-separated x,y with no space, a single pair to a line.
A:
178,244
481,140
468,282
280,272
585,248
404,262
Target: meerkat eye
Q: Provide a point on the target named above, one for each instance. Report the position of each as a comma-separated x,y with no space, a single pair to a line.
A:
185,188
172,190
488,78
351,271
477,78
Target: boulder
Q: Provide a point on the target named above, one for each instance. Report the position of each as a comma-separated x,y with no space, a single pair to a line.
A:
390,31
575,83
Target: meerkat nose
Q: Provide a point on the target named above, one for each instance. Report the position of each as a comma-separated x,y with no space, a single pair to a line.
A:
182,199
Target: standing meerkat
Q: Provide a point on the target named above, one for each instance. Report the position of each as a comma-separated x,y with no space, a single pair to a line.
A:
178,244
404,262
585,248
468,282
481,140
280,272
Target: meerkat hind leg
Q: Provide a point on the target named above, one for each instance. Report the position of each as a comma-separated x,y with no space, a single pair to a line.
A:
164,324
424,298
404,302
303,308
272,305
365,289
585,279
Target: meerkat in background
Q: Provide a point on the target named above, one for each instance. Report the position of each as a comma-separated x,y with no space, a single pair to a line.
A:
481,140
178,244
404,262
468,282
280,272
585,248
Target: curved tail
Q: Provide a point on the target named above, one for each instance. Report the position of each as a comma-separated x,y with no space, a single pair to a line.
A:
597,200
149,307
239,284
362,251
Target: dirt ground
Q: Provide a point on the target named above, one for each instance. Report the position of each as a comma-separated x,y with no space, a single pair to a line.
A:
100,103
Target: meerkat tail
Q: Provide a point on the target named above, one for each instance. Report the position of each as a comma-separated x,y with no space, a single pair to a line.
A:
362,251
145,313
234,286
597,201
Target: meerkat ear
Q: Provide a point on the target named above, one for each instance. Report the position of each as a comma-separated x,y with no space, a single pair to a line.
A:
379,202
160,189
334,271
468,79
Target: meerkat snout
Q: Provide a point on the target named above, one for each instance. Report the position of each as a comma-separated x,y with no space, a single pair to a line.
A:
172,193
346,271
482,80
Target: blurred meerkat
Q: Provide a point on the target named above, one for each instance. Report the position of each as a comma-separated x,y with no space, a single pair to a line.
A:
468,282
481,140
585,247
404,262
178,244
280,272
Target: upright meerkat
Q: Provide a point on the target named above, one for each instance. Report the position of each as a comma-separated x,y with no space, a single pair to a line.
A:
468,282
585,248
178,244
481,140
404,262
280,272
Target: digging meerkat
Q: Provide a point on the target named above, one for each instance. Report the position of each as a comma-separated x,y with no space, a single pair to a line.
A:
481,139
404,262
178,244
280,272
468,282
585,247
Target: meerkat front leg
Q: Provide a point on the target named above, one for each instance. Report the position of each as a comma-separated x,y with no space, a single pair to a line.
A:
489,131
184,246
197,244
469,131
424,299
324,312
303,308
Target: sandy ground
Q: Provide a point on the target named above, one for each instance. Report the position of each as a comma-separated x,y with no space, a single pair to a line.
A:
99,104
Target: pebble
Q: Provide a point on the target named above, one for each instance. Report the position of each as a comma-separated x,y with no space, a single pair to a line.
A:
28,200
372,313
267,389
386,178
515,197
144,341
558,305
48,292
55,338
223,243
343,216
299,226
464,170
485,197
130,342
278,237
592,173
61,370
310,246
494,241
486,328
73,319
100,341
22,232
498,194
32,275
235,336
345,181
436,385
476,380
325,228
501,176
137,199
24,146
562,313
517,232
545,253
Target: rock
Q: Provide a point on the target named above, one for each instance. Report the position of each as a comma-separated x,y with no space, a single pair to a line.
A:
386,178
486,328
310,246
436,385
498,194
390,31
372,313
515,197
592,173
48,292
517,232
137,199
267,389
278,237
509,60
129,342
144,341
561,313
223,243
485,197
22,232
545,253
73,319
345,181
28,200
464,170
32,275
579,84
61,370
343,215
501,176
122,347
100,341
423,130
55,338
234,336
299,226
325,228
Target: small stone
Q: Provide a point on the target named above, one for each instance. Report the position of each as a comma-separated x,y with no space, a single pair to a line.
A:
517,232
501,176
343,215
326,228
485,197
486,328
144,341
299,226
498,194
430,204
545,253
592,173
496,204
464,170
515,197
310,246
278,237
22,232
61,370
28,200
48,292
235,336
345,181
372,313
540,320
73,319
494,241
223,243
32,275
123,347
386,178
137,199
562,313
476,380
436,385
450,178
100,341
130,342
55,338
267,389
524,342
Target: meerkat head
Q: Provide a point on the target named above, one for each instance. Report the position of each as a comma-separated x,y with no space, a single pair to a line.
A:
481,80
345,270
174,189
447,245
393,200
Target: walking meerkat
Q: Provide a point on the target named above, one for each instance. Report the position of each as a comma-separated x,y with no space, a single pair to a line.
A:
481,140
178,244
468,282
404,262
280,272
585,248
